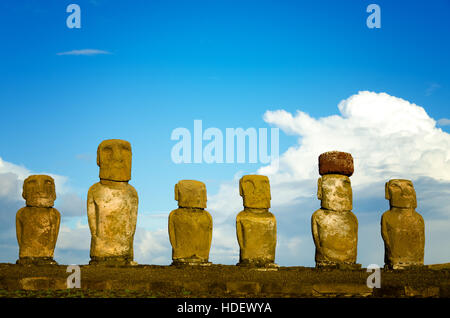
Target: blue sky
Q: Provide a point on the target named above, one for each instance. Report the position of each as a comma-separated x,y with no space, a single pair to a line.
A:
224,62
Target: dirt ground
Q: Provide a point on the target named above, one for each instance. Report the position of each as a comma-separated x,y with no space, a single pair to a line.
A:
217,281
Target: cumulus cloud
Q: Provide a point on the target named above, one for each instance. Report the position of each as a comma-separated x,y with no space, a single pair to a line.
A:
152,247
71,205
88,52
388,137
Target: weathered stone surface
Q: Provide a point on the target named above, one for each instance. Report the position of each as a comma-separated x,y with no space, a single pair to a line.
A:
345,290
402,228
255,191
190,194
190,226
37,224
39,191
244,288
438,267
211,281
40,283
334,226
336,162
112,206
335,235
335,192
424,292
256,227
114,160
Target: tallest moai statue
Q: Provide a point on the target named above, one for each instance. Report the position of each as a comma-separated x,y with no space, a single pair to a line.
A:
112,206
334,226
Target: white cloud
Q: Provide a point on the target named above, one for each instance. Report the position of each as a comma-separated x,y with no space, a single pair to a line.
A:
77,238
71,204
152,247
387,136
84,52
444,122
13,175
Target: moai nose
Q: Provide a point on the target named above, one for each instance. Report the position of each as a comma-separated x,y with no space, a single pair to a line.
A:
117,155
407,192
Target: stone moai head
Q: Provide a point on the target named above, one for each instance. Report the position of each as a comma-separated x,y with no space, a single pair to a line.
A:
335,192
114,160
190,194
400,193
39,191
334,187
255,191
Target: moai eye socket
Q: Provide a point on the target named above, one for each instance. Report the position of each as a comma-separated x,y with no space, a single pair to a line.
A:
107,150
249,187
31,186
125,148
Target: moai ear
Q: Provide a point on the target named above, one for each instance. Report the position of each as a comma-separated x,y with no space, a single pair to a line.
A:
176,192
24,189
415,195
24,192
387,194
53,189
319,188
98,157
241,191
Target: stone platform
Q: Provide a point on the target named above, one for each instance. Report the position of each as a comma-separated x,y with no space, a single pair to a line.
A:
220,281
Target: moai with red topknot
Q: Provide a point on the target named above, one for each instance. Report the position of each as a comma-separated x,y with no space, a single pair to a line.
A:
334,226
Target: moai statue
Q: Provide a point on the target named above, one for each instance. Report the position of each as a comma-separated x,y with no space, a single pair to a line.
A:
334,226
37,224
402,228
256,227
190,226
112,206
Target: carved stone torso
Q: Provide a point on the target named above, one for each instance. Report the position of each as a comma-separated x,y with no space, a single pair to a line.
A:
190,233
112,215
404,237
37,231
257,236
335,235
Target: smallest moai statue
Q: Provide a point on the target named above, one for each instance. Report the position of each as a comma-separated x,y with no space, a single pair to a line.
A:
334,226
402,228
256,227
37,224
190,226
